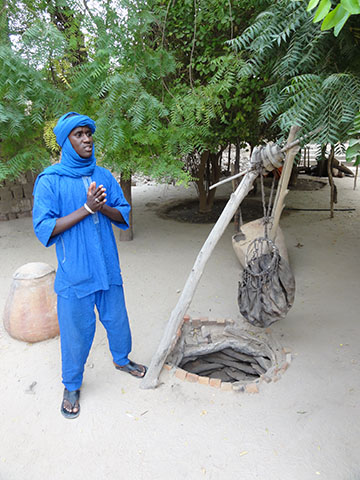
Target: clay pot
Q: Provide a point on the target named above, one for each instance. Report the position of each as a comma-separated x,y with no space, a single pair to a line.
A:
250,231
30,310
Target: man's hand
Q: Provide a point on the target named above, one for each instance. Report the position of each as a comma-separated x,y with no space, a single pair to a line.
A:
96,197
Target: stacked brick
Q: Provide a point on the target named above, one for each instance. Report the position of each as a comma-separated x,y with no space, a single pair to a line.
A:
16,200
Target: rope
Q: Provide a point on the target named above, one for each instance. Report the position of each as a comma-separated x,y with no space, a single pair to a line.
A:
262,256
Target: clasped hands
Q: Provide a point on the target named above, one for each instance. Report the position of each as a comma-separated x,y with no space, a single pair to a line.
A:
96,197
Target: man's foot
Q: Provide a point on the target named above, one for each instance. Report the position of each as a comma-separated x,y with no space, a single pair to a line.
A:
70,406
133,368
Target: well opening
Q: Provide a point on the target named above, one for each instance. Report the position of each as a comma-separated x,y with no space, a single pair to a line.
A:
227,355
228,365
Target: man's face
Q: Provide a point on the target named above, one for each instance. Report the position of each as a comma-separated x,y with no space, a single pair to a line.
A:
82,141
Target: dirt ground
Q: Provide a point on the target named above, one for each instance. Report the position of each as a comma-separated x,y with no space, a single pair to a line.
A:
305,426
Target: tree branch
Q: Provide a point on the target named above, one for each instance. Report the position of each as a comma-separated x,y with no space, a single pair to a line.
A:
193,46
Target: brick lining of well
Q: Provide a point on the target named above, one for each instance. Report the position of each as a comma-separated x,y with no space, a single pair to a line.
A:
273,374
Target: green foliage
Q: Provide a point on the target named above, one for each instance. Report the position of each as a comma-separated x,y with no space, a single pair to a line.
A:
334,17
313,77
353,151
25,99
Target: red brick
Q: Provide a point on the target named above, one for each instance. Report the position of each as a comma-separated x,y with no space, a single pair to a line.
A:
196,322
203,380
226,386
167,366
284,367
186,318
204,319
215,382
192,377
251,388
180,373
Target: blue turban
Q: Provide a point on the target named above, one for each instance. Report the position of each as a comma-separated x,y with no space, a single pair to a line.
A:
67,123
71,164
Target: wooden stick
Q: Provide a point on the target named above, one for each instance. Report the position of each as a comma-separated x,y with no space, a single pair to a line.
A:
356,175
177,315
282,189
240,174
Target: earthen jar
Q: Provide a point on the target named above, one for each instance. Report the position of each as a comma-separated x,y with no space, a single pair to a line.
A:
30,311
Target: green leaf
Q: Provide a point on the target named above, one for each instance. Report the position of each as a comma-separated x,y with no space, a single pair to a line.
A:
312,4
334,17
352,6
322,10
353,151
341,23
353,141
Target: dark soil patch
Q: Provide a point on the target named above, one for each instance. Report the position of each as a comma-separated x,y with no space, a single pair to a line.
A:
251,207
302,184
188,211
306,184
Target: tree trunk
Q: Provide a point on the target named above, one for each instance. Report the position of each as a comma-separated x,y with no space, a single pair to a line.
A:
356,175
200,182
322,163
127,235
208,174
333,190
229,159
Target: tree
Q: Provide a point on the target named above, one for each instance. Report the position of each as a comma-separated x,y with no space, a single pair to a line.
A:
160,81
313,77
210,107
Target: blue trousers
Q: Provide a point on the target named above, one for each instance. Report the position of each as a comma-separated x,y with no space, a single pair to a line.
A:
77,329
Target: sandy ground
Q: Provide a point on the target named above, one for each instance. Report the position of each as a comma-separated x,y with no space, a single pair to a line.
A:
305,426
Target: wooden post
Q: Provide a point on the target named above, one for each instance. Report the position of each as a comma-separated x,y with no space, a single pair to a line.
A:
282,189
127,235
177,315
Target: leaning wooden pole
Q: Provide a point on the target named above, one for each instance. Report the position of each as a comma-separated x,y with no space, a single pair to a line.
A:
282,189
177,315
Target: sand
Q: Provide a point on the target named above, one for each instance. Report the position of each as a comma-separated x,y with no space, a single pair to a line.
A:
305,426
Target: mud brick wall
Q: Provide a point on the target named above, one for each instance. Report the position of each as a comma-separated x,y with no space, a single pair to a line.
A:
16,199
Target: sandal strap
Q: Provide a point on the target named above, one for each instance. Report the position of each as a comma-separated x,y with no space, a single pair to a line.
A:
72,397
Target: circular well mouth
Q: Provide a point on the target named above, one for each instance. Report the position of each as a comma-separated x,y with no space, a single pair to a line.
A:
224,354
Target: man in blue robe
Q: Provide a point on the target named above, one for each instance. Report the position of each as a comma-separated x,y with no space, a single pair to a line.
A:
75,204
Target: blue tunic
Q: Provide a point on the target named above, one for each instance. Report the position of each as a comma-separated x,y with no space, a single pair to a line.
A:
87,254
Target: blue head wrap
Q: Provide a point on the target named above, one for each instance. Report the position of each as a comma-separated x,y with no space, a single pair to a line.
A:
71,164
68,122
